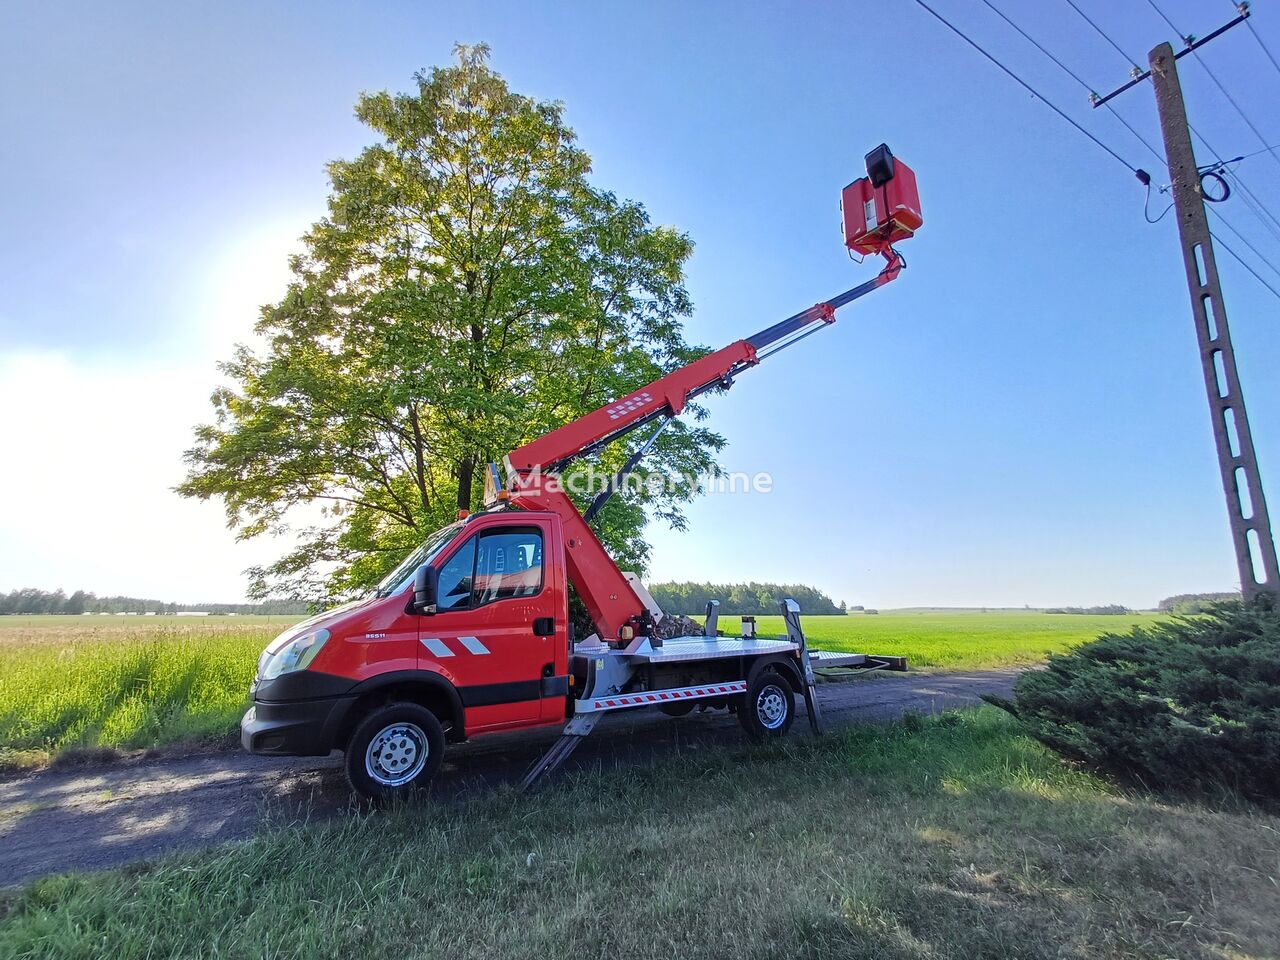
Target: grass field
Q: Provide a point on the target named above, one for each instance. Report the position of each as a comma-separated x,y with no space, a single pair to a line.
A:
84,682
123,681
947,837
952,639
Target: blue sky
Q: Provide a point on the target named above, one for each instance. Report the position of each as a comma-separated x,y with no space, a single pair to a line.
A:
1019,419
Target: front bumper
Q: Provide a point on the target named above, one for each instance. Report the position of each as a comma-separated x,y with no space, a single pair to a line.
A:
279,724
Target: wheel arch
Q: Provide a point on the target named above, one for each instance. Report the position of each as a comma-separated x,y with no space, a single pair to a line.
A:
427,689
780,664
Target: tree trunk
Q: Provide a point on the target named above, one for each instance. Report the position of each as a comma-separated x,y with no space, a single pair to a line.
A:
466,474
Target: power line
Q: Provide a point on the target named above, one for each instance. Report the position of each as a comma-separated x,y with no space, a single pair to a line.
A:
1022,83
1265,216
1245,240
1225,246
1103,34
1214,77
1248,198
1253,201
1274,146
1265,49
1068,71
1032,40
1035,93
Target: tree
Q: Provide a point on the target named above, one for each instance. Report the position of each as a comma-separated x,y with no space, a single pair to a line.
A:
468,291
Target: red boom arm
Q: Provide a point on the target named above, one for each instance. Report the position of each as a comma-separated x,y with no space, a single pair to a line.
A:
533,469
878,210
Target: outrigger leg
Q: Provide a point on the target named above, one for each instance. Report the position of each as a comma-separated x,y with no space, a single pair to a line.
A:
795,633
575,731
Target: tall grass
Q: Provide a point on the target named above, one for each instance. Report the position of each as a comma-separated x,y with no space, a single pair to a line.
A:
124,687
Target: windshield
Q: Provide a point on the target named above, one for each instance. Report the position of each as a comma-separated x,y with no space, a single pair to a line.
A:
400,578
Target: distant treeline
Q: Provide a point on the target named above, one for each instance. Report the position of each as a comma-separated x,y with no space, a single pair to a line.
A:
32,601
1193,602
690,599
1108,610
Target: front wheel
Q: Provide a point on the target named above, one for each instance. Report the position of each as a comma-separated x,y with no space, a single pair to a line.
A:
768,707
394,751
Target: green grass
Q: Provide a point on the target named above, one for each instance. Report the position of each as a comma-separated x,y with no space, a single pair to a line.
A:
947,837
88,682
953,639
100,682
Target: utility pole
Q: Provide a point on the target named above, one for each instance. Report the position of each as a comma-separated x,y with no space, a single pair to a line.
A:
1237,462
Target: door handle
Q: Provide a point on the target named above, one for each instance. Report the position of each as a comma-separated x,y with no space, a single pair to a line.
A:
544,626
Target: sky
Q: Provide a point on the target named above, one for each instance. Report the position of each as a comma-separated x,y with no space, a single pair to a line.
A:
1019,419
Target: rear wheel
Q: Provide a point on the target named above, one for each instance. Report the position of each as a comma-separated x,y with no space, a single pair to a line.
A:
768,707
394,751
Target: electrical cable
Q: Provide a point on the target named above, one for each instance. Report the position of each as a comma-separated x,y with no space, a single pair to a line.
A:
1022,83
1227,247
1210,171
1071,73
1248,200
1215,172
1133,63
1253,202
1245,240
1214,77
1265,49
1146,208
1274,146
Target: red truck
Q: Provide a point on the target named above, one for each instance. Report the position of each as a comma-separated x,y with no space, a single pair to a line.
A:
470,634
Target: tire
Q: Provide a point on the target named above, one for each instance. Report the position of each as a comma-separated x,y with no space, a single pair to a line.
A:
394,751
678,709
768,707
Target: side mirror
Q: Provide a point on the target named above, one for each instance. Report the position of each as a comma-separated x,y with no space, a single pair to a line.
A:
425,584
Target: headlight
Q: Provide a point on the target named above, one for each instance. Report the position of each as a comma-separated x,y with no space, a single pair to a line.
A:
293,654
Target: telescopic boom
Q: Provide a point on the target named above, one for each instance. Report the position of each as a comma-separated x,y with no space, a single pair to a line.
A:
878,210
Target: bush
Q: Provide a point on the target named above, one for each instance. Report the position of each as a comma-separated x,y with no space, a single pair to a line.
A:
1191,703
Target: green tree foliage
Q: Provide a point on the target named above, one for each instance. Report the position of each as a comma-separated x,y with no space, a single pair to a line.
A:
1107,610
1193,602
690,599
1188,703
469,290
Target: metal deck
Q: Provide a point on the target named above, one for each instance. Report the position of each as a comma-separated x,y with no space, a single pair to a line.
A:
686,649
683,649
830,658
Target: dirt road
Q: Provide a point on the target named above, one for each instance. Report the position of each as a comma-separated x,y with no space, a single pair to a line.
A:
103,816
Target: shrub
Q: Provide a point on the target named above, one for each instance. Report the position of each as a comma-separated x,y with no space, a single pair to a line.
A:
1190,703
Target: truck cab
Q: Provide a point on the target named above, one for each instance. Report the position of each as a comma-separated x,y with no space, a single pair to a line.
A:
469,635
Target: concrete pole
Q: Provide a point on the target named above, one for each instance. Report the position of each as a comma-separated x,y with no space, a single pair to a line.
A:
1246,506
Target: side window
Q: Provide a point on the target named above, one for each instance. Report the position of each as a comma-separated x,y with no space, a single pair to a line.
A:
455,578
508,564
